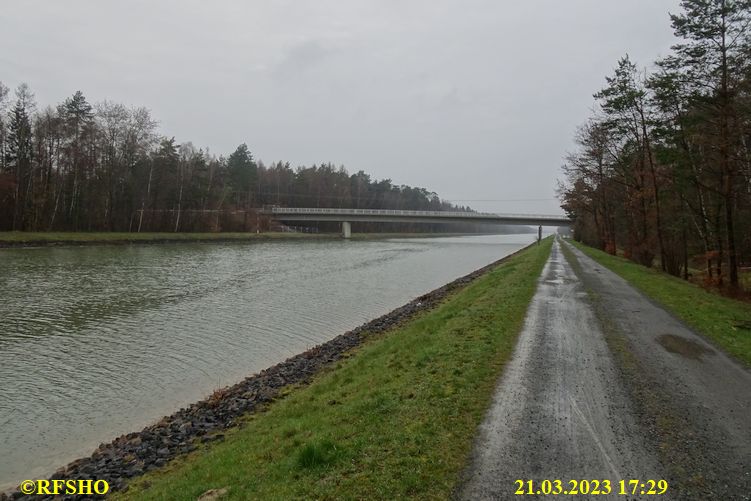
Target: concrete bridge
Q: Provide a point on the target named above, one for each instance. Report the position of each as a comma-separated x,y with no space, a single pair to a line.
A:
347,216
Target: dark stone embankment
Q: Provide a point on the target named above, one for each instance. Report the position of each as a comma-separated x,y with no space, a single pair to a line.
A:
136,453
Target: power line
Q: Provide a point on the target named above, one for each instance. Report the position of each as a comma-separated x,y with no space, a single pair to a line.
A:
500,200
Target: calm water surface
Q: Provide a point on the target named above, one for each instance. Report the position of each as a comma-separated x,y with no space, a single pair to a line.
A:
100,341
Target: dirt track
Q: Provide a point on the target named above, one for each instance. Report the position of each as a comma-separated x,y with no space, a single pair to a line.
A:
604,384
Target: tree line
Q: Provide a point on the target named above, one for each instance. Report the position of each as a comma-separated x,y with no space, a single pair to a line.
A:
662,168
104,167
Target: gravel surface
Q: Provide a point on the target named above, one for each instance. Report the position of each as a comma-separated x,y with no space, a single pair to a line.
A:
560,410
693,400
605,384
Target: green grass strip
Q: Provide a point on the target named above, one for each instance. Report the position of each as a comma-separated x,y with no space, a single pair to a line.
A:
725,321
62,237
394,420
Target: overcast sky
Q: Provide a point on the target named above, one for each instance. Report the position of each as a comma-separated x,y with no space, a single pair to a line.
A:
474,99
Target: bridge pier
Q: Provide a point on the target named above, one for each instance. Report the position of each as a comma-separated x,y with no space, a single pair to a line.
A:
346,229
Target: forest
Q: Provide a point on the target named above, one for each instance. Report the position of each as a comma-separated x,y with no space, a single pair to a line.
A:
79,166
662,168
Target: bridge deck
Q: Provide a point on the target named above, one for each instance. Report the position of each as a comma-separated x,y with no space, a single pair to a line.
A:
387,215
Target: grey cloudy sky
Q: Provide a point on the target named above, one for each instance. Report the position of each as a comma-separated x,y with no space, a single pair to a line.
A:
474,99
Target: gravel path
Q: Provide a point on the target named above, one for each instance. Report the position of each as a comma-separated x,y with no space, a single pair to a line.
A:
604,384
692,399
560,411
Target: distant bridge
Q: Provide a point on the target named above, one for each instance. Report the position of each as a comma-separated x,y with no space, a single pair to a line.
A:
347,216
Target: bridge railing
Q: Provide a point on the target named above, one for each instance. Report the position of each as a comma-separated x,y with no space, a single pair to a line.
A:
393,212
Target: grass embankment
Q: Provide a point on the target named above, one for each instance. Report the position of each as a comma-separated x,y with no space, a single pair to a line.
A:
394,420
725,321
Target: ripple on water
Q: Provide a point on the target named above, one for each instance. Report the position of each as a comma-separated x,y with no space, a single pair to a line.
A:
99,341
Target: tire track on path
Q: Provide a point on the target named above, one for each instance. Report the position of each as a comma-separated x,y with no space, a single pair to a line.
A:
561,410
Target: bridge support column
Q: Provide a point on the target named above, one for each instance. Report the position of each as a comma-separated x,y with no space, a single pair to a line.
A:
346,229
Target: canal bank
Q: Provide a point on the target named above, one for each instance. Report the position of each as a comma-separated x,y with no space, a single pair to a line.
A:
404,402
20,239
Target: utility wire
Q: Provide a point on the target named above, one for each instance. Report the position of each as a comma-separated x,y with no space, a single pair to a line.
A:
500,200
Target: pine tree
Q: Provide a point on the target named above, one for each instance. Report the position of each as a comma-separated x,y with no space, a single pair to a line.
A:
78,118
243,174
625,105
19,152
713,59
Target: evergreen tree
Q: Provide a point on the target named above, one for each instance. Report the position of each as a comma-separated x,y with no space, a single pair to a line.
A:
713,59
19,152
243,174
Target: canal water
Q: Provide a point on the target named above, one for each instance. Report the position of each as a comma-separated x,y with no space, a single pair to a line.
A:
100,341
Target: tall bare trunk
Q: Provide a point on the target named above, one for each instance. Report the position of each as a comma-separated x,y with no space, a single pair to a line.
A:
143,200
179,205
